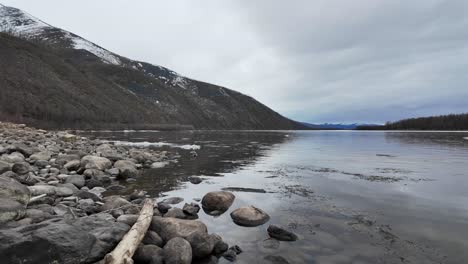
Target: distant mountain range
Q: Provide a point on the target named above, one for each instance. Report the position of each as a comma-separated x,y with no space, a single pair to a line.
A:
329,126
50,77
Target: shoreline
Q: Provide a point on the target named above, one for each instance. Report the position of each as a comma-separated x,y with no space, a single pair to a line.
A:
55,207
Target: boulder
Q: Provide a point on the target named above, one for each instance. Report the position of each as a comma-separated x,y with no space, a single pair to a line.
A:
95,162
127,168
202,244
77,180
281,233
128,219
169,228
215,203
163,207
145,253
21,168
191,209
249,216
43,155
175,213
72,165
152,238
42,189
195,180
13,190
178,251
85,240
219,245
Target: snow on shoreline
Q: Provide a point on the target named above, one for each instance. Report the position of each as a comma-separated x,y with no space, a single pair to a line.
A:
155,144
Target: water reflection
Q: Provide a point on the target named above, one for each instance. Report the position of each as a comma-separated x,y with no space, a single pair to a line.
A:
322,185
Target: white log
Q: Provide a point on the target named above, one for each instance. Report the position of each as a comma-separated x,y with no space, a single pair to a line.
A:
123,253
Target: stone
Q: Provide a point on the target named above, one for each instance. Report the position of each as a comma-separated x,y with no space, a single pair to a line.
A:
219,245
195,180
159,164
84,240
152,238
169,228
177,251
63,191
163,207
114,202
281,233
37,215
145,253
4,167
10,210
77,180
88,195
41,163
13,190
230,255
127,168
21,168
95,162
14,157
63,159
249,216
191,209
72,165
175,213
202,244
43,155
42,189
216,203
128,219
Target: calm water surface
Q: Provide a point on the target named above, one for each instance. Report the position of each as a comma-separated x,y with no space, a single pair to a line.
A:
353,197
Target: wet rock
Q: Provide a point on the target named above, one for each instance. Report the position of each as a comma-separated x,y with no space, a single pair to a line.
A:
276,259
241,189
249,216
145,253
191,209
95,162
72,165
140,156
177,213
195,180
236,249
173,200
85,240
271,243
280,233
207,260
21,168
178,251
219,245
164,207
202,244
230,255
4,167
152,238
169,228
115,187
128,219
137,195
105,150
43,155
217,202
77,180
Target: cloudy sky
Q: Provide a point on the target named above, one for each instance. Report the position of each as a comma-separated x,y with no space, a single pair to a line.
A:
316,61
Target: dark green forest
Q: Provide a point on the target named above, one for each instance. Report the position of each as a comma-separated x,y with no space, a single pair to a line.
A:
443,122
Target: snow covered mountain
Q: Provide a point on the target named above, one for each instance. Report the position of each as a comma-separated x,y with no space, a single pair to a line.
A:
70,81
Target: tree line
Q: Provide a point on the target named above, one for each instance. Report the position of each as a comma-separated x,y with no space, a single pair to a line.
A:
443,122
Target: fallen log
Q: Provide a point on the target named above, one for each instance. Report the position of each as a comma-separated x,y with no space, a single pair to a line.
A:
123,253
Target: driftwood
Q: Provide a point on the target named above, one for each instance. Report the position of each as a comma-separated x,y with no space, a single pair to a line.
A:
123,253
35,198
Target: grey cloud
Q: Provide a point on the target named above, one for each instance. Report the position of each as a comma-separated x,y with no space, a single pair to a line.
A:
317,61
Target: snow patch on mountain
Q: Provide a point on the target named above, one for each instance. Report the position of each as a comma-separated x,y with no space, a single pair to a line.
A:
20,23
106,56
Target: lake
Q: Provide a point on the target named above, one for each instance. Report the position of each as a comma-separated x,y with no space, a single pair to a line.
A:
351,196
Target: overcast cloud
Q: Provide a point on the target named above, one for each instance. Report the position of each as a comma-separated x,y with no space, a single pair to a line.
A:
316,61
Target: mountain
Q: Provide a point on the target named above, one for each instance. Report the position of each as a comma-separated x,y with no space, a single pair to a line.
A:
443,122
53,78
328,126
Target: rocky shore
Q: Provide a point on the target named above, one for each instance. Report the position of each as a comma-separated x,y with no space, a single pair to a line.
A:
55,207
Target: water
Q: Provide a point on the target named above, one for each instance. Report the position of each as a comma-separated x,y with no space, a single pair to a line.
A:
353,197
